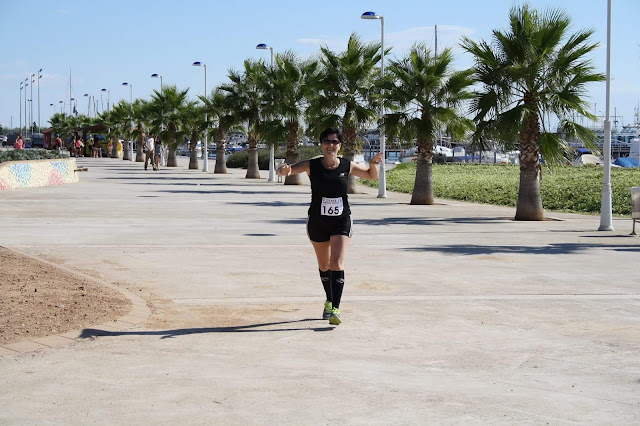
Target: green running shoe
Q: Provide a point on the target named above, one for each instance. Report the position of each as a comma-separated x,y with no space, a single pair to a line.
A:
326,313
335,317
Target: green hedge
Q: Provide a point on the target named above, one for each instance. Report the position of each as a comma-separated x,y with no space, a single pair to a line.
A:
566,189
29,154
240,159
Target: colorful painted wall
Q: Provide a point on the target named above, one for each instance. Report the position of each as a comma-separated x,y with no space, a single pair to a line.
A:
29,174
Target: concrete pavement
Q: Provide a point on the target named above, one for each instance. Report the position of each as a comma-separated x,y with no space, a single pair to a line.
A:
453,313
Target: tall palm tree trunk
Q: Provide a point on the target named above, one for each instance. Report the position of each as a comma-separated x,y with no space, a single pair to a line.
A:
172,159
292,152
114,148
423,185
193,154
126,154
253,170
349,152
221,158
529,206
140,149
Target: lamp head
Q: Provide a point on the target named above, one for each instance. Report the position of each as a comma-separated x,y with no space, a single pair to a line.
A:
126,84
262,46
370,15
104,90
198,64
155,75
86,94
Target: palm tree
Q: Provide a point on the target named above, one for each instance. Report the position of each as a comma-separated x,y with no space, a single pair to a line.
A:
166,110
59,123
347,85
118,121
532,71
246,101
218,107
139,113
194,122
424,95
287,87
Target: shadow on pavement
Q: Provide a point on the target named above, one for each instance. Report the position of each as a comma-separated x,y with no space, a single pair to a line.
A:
389,221
168,334
548,249
176,191
269,203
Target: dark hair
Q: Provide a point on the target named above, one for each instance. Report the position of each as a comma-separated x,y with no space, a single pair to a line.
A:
330,131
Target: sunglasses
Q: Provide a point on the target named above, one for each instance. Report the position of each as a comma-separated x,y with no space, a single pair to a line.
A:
331,141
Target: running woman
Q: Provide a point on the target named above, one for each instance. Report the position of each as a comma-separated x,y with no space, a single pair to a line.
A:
329,221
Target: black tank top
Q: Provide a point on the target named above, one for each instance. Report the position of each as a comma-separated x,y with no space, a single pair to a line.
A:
329,189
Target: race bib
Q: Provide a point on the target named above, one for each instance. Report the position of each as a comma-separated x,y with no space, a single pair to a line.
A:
331,206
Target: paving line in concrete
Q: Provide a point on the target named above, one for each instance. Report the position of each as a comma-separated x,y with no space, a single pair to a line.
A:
390,298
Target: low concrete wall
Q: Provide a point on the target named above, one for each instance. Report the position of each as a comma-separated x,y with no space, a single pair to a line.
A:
29,174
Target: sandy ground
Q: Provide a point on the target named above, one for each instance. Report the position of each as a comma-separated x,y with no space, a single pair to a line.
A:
38,300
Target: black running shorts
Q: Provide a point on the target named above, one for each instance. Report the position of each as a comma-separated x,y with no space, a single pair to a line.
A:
321,228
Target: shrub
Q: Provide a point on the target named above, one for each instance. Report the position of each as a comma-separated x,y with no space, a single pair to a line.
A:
29,154
240,159
567,189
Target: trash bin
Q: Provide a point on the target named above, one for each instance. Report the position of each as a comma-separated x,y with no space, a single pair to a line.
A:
635,206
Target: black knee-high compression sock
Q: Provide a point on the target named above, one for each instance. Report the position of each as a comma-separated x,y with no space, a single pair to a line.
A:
325,276
337,284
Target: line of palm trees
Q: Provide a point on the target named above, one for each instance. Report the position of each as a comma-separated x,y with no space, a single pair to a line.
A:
523,75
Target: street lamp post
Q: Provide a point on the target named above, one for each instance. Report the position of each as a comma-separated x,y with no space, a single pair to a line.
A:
606,223
61,106
263,46
382,182
160,77
26,83
25,96
108,98
33,80
39,77
30,122
88,104
130,144
205,154
156,75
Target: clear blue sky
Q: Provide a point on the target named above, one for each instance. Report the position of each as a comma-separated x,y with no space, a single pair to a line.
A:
104,44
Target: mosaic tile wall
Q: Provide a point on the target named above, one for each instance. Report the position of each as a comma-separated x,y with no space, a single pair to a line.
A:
29,174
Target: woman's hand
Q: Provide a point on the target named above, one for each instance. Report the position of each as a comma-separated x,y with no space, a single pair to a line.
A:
285,170
377,159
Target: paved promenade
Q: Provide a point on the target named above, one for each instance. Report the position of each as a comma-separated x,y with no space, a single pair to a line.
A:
453,313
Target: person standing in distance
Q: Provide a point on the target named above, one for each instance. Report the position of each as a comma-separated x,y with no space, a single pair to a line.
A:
148,146
19,144
329,222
